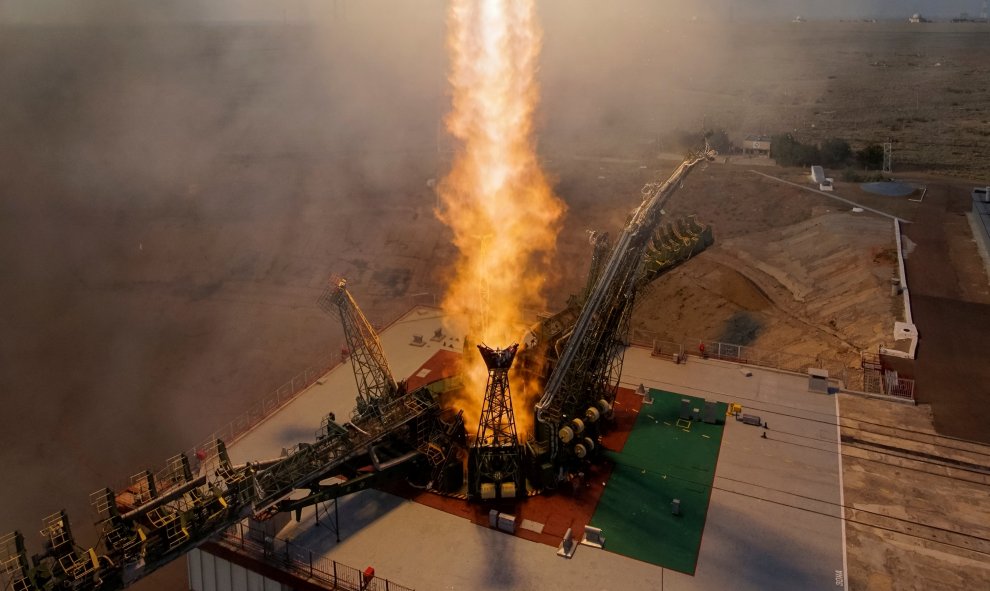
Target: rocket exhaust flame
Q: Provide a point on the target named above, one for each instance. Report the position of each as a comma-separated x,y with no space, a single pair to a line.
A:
496,199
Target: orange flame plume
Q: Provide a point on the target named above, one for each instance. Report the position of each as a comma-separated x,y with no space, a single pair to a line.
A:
496,199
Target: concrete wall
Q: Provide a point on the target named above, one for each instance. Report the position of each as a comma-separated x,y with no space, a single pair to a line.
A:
981,219
210,573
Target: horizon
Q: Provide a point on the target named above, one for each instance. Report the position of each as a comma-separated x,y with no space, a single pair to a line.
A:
99,12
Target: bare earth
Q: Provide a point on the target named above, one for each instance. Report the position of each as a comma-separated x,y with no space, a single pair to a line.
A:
918,507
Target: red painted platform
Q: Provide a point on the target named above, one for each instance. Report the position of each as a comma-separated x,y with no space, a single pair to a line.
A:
443,364
569,507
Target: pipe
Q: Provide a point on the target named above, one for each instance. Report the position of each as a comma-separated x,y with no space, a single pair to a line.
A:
382,466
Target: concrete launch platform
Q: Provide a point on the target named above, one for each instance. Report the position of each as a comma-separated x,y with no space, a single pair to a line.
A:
773,520
665,459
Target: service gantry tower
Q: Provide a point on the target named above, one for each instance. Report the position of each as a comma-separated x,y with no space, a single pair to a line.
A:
495,462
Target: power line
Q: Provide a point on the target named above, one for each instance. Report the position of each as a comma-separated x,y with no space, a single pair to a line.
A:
822,513
830,415
868,449
850,445
839,453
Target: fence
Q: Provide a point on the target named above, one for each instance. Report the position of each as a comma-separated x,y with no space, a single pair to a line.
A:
879,380
303,562
258,412
739,354
205,453
853,374
887,383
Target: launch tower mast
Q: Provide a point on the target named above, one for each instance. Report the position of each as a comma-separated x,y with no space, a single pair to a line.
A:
495,464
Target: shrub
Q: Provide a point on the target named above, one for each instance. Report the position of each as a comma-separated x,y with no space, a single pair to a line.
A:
693,140
787,151
835,152
871,156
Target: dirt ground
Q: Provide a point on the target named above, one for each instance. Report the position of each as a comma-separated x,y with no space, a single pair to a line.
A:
790,270
950,298
917,504
922,88
172,200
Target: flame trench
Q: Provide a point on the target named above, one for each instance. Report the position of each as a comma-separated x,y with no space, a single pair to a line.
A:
496,199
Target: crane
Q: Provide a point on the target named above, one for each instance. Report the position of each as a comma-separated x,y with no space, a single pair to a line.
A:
374,379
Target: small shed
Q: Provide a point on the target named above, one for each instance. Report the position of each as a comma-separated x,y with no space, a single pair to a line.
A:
817,380
756,144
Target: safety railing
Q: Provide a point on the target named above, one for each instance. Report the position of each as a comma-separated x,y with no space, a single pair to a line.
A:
263,408
302,562
851,373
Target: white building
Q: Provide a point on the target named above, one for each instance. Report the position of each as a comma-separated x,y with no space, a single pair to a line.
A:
817,174
756,144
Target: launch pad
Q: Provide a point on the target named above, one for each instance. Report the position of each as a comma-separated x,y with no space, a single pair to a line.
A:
745,522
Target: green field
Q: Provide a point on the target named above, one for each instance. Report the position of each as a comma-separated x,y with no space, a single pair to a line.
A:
661,462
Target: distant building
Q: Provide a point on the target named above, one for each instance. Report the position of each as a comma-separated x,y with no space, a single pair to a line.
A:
756,144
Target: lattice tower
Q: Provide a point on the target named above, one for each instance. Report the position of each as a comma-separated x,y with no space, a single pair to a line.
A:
496,455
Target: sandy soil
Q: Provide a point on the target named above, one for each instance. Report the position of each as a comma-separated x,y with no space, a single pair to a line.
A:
791,270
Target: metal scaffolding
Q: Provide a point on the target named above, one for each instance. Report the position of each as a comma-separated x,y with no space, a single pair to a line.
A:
584,379
161,515
374,379
495,463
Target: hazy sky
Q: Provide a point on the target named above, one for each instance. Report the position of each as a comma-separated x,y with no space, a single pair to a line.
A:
61,11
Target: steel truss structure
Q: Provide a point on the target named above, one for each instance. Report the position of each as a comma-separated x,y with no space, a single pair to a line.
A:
586,358
374,379
495,468
162,515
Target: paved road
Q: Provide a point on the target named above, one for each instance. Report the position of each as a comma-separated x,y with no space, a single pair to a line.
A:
951,370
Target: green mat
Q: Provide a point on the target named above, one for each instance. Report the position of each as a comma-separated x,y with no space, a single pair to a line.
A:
661,461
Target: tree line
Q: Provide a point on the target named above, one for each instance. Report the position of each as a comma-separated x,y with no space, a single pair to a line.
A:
833,152
788,151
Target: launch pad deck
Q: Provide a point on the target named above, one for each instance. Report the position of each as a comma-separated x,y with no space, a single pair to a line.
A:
665,459
651,460
543,518
772,522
